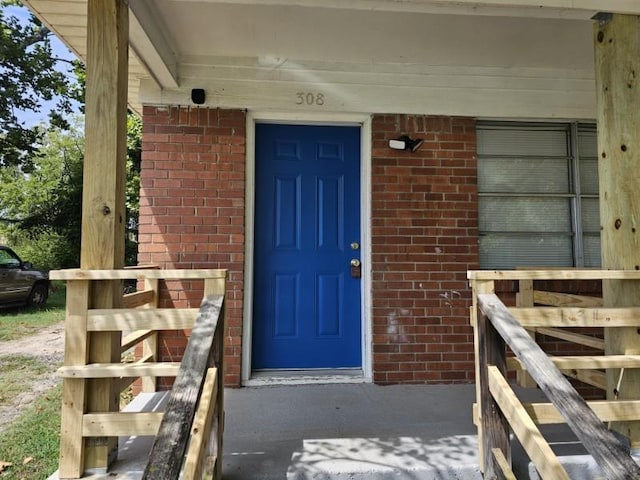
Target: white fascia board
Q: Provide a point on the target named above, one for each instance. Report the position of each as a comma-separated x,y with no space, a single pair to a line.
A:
149,42
553,94
568,9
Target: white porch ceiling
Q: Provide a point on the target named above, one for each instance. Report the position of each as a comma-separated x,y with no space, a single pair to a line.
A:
232,47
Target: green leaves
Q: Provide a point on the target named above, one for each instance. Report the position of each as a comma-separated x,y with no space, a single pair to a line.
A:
29,75
41,166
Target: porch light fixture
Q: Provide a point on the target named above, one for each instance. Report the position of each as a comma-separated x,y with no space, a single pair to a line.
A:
404,142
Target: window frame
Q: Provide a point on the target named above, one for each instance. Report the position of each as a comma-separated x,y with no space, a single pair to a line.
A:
575,195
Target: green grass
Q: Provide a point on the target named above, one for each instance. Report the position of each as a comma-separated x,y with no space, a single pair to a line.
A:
31,443
20,322
13,371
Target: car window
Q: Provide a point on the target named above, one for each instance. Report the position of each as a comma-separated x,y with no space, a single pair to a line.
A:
7,260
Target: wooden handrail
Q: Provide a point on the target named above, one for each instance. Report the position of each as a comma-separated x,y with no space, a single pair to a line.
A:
149,273
167,454
550,274
610,455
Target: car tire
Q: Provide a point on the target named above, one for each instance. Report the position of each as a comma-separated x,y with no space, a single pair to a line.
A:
38,296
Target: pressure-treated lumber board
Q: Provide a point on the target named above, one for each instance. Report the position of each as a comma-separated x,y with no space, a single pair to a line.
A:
572,274
141,319
124,382
80,274
134,338
555,299
504,468
121,424
74,391
137,299
617,65
103,200
595,378
217,286
478,287
577,317
598,441
214,286
539,451
103,190
606,410
494,424
200,430
590,362
150,344
166,457
524,298
119,370
573,337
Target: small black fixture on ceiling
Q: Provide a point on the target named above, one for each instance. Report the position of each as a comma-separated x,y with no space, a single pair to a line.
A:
198,96
404,142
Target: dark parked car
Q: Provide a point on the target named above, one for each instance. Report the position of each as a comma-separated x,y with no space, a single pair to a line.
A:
20,284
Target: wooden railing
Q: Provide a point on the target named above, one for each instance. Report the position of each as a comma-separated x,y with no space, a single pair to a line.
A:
140,320
194,404
499,411
528,297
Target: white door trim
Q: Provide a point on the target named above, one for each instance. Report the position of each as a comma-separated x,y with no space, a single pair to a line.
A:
364,122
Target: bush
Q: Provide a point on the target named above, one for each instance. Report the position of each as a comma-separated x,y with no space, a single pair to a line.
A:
47,250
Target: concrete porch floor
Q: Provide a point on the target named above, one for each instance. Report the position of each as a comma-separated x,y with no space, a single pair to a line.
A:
351,431
357,431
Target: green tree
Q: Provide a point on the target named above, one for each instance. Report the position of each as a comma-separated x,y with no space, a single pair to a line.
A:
41,167
29,76
42,209
44,206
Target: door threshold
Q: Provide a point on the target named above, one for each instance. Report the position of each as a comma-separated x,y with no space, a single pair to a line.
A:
261,378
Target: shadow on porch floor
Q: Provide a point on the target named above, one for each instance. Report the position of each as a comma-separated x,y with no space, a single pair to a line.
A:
357,431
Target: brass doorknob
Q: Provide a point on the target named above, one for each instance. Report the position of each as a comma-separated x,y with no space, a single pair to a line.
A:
355,262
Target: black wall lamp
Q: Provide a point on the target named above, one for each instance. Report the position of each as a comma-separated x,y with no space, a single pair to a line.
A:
404,142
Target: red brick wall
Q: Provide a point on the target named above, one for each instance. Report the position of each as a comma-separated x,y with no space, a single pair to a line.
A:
425,238
192,210
424,235
424,232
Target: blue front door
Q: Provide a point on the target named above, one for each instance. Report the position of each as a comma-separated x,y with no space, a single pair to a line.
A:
306,311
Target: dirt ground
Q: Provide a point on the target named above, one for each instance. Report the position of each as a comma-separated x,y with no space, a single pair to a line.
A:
47,346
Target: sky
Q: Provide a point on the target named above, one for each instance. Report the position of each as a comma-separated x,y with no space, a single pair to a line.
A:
60,50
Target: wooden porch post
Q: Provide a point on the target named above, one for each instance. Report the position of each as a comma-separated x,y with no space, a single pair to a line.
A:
103,211
617,55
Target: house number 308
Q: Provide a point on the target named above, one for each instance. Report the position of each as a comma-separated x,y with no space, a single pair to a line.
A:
309,98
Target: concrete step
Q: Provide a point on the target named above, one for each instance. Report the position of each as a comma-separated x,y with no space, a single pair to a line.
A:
396,458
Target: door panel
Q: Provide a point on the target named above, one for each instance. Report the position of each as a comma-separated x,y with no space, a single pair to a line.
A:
306,311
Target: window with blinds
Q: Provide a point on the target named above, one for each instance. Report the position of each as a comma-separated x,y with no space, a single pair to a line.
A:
538,195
